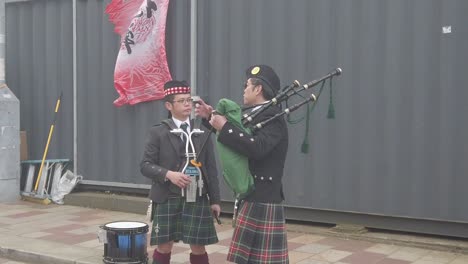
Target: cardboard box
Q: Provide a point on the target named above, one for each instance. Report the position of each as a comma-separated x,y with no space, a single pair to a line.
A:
23,145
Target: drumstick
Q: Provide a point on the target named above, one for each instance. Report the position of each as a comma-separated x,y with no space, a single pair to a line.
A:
217,218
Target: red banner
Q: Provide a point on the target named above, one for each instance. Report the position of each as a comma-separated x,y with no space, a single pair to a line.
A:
141,68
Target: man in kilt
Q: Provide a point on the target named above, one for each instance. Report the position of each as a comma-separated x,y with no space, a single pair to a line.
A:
260,233
175,217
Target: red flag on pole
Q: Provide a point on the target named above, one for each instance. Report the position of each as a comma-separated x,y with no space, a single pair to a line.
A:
141,68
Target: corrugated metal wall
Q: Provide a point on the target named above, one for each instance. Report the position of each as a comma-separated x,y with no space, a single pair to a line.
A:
397,147
39,59
111,139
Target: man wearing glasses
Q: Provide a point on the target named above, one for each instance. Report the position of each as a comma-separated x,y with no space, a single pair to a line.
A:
175,216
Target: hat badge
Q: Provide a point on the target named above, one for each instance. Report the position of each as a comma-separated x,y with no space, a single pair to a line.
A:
255,70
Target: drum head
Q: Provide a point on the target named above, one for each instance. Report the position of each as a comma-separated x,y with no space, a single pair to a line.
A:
125,225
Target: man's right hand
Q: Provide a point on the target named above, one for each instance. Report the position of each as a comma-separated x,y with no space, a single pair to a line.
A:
202,109
178,178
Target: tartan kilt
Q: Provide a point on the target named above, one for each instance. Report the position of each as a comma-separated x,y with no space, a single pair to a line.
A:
259,235
177,220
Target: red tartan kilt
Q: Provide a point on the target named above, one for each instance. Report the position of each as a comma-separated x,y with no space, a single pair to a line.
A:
260,234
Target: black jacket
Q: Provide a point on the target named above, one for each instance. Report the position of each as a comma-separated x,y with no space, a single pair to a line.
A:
165,151
266,150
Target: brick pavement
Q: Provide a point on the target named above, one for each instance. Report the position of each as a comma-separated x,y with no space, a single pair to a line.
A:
68,234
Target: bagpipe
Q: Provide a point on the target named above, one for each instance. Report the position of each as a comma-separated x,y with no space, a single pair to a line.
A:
236,174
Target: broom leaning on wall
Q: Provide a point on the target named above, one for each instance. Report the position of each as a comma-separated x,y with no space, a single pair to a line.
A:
34,196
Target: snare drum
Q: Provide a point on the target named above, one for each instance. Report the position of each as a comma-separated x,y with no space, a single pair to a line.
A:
126,242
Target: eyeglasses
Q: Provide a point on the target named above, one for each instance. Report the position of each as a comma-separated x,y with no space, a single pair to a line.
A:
184,100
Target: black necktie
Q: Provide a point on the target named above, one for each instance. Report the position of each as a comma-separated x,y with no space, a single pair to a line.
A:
184,127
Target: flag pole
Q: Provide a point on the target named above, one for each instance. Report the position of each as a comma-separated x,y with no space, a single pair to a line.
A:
193,46
193,56
75,129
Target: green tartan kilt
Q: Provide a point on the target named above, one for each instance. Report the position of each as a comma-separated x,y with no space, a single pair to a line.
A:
259,235
177,220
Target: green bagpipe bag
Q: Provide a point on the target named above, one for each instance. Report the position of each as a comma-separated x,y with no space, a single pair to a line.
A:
236,171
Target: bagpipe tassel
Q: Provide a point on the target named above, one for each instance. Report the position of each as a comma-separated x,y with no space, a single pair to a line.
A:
331,108
305,143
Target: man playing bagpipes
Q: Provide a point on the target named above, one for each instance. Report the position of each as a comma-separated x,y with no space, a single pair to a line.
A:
185,189
260,232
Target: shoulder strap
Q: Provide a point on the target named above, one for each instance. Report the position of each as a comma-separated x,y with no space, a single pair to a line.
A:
169,123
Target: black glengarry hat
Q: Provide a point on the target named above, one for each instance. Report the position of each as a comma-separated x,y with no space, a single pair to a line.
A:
266,74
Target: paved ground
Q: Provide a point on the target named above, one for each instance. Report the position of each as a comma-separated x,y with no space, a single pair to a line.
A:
8,261
36,233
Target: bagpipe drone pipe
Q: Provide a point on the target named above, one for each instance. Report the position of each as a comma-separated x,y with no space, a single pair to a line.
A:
283,95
